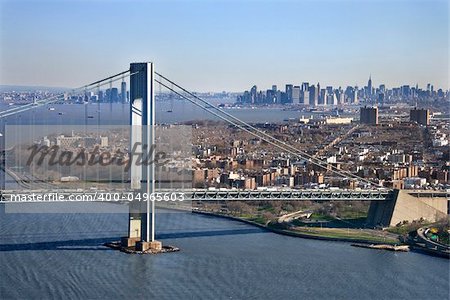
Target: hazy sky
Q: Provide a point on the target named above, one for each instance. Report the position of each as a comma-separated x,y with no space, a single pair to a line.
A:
227,45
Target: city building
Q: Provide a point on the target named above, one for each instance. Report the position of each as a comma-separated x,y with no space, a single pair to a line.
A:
289,93
369,87
123,92
420,116
296,94
313,96
368,115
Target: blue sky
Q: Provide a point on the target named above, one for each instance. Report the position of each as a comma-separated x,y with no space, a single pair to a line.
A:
226,45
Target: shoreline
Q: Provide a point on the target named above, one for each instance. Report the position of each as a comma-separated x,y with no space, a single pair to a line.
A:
292,233
412,246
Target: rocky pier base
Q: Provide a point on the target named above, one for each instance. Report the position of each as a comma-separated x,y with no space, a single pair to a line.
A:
139,247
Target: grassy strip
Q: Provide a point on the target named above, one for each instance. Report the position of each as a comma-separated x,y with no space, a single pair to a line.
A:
333,234
344,234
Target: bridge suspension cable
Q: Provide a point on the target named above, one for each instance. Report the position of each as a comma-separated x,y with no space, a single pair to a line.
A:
55,98
256,132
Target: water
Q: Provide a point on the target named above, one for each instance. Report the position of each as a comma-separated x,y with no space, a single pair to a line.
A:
119,114
60,256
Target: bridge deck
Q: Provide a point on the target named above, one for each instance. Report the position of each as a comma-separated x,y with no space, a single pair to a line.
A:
282,195
298,195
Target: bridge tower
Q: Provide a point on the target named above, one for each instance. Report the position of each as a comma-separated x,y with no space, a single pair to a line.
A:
141,224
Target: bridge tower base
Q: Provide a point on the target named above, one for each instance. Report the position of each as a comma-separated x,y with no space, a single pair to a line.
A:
407,206
145,246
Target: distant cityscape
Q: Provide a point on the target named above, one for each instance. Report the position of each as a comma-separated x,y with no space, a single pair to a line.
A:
315,95
110,95
26,95
306,95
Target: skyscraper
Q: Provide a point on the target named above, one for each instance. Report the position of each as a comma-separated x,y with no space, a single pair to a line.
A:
112,95
380,100
406,91
305,86
313,95
253,94
304,97
420,116
369,86
123,92
355,95
331,99
289,89
318,93
100,96
296,94
368,115
322,100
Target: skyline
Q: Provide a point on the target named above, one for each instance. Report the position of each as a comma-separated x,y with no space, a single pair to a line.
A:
228,46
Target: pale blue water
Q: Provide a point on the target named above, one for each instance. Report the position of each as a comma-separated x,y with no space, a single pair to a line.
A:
119,114
55,256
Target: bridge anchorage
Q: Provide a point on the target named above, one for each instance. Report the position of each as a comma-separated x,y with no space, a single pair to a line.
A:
388,207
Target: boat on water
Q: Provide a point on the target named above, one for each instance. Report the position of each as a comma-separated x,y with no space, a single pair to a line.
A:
51,108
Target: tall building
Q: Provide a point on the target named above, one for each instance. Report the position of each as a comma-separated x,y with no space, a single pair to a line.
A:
123,92
112,95
100,96
271,96
305,86
313,95
322,97
421,116
289,90
304,97
368,115
380,99
318,93
369,86
406,91
296,94
253,94
331,99
339,95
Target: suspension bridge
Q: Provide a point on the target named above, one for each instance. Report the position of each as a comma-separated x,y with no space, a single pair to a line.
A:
387,206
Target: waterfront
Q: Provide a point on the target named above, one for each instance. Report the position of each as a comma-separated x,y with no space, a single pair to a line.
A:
61,255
